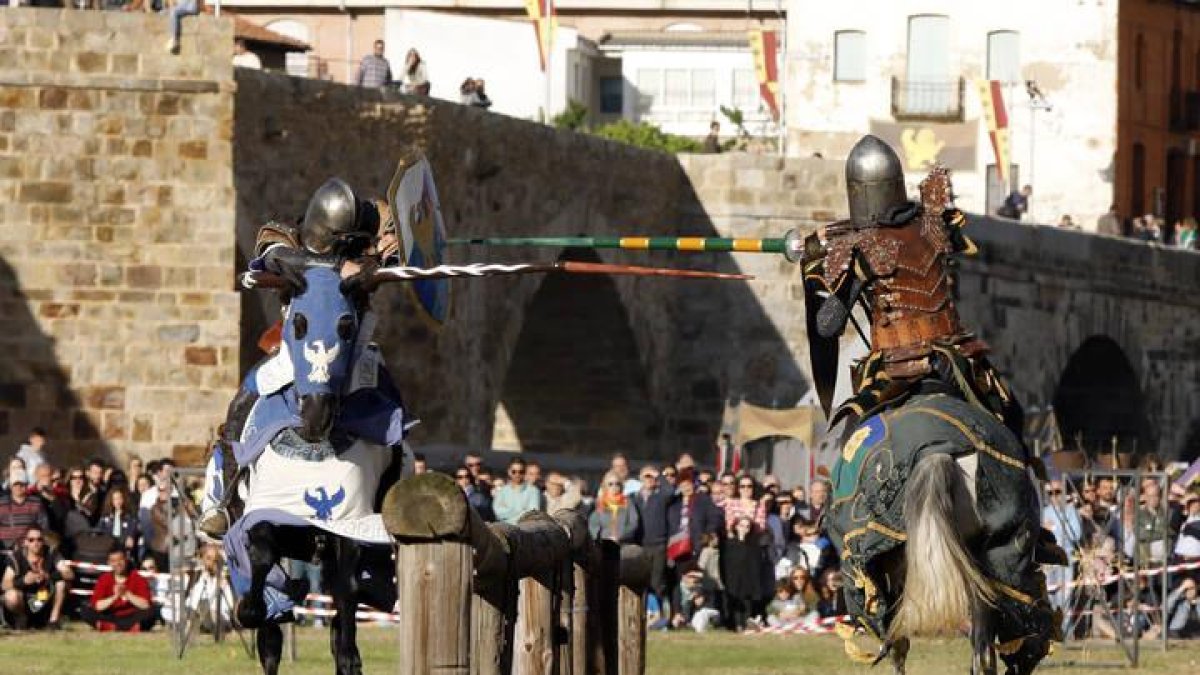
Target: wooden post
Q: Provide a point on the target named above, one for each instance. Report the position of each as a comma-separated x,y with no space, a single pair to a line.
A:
602,608
533,649
433,574
631,611
433,595
581,624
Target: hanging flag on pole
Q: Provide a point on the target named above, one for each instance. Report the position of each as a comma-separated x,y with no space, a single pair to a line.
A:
545,23
992,100
764,44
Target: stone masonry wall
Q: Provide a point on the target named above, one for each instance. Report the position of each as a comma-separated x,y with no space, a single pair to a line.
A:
116,244
498,176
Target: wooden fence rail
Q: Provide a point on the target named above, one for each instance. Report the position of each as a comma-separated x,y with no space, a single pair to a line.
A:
536,598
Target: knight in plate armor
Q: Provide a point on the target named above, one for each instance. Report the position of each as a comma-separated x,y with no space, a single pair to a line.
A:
338,226
894,257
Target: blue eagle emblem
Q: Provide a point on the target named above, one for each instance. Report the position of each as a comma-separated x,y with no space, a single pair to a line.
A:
324,505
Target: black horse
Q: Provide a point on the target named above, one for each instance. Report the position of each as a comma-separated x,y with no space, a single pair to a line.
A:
317,468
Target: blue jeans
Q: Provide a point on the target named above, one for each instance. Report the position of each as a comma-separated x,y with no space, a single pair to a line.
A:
181,9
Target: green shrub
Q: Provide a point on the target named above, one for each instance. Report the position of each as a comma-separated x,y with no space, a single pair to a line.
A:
646,135
575,117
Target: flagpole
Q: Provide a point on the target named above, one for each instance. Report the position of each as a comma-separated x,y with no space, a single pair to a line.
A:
549,72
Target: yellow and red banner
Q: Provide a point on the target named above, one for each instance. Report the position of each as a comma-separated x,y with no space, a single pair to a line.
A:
764,44
992,99
545,23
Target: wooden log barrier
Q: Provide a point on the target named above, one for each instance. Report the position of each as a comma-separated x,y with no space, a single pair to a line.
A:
429,510
633,578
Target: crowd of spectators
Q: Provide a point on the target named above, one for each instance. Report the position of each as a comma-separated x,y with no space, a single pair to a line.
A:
1105,526
726,550
116,520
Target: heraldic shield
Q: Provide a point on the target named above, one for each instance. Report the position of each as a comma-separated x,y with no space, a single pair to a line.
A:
417,214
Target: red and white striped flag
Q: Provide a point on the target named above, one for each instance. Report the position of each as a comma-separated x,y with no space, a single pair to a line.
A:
545,23
992,99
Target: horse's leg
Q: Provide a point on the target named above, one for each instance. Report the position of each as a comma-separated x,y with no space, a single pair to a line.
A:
340,571
899,654
252,608
269,639
983,639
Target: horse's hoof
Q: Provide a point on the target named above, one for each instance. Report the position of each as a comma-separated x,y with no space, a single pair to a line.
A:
250,615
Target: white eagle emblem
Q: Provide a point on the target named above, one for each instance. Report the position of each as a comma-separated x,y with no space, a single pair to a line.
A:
320,359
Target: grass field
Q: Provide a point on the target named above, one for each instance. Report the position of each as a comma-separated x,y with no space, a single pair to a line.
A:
79,652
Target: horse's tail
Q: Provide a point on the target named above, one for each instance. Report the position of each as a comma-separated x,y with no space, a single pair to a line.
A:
942,581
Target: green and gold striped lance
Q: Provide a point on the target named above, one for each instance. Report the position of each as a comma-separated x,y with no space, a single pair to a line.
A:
791,245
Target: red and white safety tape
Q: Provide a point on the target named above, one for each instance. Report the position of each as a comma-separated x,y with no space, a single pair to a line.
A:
1128,575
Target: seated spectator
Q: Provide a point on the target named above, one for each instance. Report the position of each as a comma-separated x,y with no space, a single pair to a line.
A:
420,464
1183,611
560,493
53,494
120,600
785,608
477,496
181,9
709,563
481,99
84,496
832,602
211,596
33,452
697,607
804,588
1187,547
15,465
160,588
35,584
516,497
615,517
466,92
119,520
19,511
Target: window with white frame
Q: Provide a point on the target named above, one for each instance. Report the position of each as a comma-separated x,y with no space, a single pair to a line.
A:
745,90
675,89
849,56
1004,56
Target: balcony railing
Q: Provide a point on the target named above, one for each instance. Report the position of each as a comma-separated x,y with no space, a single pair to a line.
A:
933,101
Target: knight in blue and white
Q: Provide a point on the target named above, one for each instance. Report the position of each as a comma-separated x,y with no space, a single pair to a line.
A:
324,387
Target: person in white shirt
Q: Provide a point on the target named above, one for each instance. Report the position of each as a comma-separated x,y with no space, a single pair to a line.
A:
244,58
31,451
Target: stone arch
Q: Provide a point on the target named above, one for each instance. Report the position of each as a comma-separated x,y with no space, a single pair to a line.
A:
1099,397
575,383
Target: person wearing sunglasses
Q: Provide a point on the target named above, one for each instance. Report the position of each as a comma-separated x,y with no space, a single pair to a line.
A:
35,584
1062,518
746,502
651,502
479,494
615,517
517,496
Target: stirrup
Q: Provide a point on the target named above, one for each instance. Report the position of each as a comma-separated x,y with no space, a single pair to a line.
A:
214,523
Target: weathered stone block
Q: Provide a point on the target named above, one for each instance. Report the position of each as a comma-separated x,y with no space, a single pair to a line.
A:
77,274
181,333
200,356
90,62
193,150
143,428
53,98
56,310
143,276
46,192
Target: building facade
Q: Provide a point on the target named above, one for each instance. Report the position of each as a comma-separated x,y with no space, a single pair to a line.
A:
908,71
672,64
1158,115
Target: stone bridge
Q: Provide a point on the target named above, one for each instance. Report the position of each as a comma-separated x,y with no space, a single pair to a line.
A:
117,265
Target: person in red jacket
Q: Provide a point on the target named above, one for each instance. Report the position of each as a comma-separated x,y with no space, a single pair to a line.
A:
121,599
